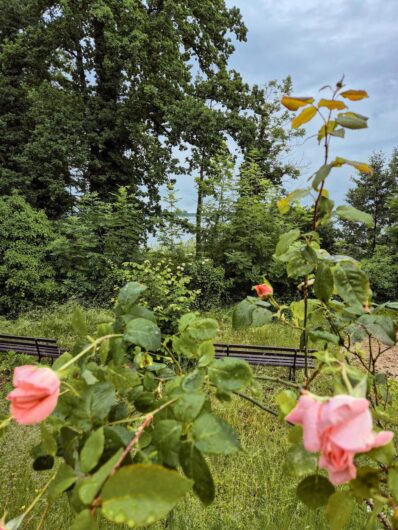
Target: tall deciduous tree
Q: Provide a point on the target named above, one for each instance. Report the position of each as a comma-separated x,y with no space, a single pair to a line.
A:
94,93
372,193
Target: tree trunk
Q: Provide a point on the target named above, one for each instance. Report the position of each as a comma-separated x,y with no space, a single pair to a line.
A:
199,211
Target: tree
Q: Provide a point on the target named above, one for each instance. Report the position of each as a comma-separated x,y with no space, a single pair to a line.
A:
371,194
249,119
94,93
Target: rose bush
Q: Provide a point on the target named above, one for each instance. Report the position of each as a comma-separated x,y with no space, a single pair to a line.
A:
340,401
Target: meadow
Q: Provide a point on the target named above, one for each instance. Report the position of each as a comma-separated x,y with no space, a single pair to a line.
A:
253,491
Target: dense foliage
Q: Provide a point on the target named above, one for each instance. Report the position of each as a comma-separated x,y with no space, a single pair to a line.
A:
27,278
100,94
129,410
104,104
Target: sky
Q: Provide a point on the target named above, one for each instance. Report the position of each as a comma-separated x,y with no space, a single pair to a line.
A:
316,42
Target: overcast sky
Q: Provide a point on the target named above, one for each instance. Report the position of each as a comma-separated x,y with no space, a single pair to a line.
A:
316,42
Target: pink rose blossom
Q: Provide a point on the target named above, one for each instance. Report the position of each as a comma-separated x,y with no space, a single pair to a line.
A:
263,290
35,395
338,429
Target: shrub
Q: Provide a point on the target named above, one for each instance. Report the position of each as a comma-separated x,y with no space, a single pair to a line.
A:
168,292
27,278
93,244
210,282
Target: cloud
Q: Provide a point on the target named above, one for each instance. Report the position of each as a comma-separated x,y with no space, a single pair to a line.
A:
316,42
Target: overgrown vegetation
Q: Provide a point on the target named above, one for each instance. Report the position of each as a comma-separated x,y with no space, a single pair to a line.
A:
252,492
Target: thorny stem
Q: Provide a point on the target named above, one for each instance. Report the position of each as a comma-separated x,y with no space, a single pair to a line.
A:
255,402
326,148
314,227
277,380
314,374
93,345
382,518
305,288
43,517
39,496
148,420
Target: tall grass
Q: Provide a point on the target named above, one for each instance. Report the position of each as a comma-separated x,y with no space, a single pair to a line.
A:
254,490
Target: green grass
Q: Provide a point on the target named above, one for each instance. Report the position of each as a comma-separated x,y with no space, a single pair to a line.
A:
254,491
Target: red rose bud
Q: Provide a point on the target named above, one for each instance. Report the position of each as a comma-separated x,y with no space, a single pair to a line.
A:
263,290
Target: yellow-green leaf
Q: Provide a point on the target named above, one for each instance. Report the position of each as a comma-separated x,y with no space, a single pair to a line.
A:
354,95
353,214
360,166
304,116
351,120
295,103
332,104
284,204
326,129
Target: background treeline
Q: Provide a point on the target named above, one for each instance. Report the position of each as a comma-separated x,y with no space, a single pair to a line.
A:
102,104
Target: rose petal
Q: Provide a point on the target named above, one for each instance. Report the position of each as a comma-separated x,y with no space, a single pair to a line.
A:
306,413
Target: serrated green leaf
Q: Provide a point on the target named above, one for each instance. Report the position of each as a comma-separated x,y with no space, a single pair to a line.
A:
64,478
188,406
141,494
365,483
261,316
384,455
242,315
230,375
323,335
144,333
206,353
314,491
139,311
340,133
166,434
285,240
323,285
321,175
128,295
195,467
92,450
91,486
351,284
350,213
61,360
339,509
213,436
350,120
203,329
381,327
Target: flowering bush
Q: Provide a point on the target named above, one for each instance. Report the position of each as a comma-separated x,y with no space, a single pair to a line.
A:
337,314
